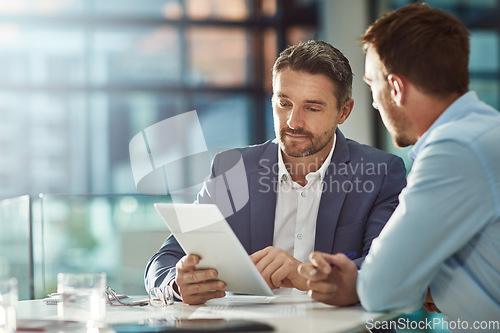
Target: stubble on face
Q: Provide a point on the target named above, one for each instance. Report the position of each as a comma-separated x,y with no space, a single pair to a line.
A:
293,149
396,122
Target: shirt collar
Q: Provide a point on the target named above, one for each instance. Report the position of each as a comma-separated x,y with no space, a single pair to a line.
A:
457,109
282,171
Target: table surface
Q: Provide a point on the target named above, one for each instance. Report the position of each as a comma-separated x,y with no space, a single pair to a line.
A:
297,313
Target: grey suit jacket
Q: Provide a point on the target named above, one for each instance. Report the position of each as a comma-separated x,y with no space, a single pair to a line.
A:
360,192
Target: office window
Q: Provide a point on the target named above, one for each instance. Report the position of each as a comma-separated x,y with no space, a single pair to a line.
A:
81,77
484,65
235,10
218,56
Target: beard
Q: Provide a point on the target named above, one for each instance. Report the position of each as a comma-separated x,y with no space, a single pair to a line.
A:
402,141
294,149
399,127
396,122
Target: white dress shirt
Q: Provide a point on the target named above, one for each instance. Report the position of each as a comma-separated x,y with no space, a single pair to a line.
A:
296,212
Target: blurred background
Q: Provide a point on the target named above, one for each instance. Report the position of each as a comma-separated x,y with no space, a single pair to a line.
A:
79,78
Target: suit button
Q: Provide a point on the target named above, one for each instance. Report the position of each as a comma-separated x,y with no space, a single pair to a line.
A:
303,194
299,236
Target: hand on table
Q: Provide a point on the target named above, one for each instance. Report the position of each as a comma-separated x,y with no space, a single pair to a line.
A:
334,285
196,286
278,268
429,303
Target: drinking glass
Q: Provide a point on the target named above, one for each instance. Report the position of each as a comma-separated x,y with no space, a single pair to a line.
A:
8,300
83,297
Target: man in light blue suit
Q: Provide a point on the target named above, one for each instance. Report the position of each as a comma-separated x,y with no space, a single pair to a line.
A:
310,189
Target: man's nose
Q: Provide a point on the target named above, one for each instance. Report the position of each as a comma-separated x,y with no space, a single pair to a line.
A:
295,119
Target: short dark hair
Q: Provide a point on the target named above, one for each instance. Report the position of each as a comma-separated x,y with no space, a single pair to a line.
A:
426,45
318,57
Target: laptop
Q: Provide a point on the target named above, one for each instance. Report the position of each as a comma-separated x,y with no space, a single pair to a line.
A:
201,229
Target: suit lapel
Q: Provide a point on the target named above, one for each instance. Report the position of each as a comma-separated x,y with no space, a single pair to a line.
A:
262,186
337,175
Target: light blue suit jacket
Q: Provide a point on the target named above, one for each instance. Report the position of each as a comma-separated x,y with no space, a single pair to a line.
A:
361,188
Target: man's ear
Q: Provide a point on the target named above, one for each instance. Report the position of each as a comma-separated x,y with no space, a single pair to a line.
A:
397,86
345,111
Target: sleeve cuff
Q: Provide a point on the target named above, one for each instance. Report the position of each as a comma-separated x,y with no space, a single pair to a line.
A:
176,295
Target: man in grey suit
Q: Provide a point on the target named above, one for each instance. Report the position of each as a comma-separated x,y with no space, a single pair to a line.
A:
310,189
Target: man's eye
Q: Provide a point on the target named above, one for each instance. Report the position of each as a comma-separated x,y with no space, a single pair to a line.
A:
314,109
284,104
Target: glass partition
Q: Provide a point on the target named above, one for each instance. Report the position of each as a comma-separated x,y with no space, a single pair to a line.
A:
116,234
15,243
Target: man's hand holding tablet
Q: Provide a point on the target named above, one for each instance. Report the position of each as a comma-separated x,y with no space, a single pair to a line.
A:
215,260
196,286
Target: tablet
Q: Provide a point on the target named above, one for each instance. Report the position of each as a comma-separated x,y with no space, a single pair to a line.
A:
201,229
